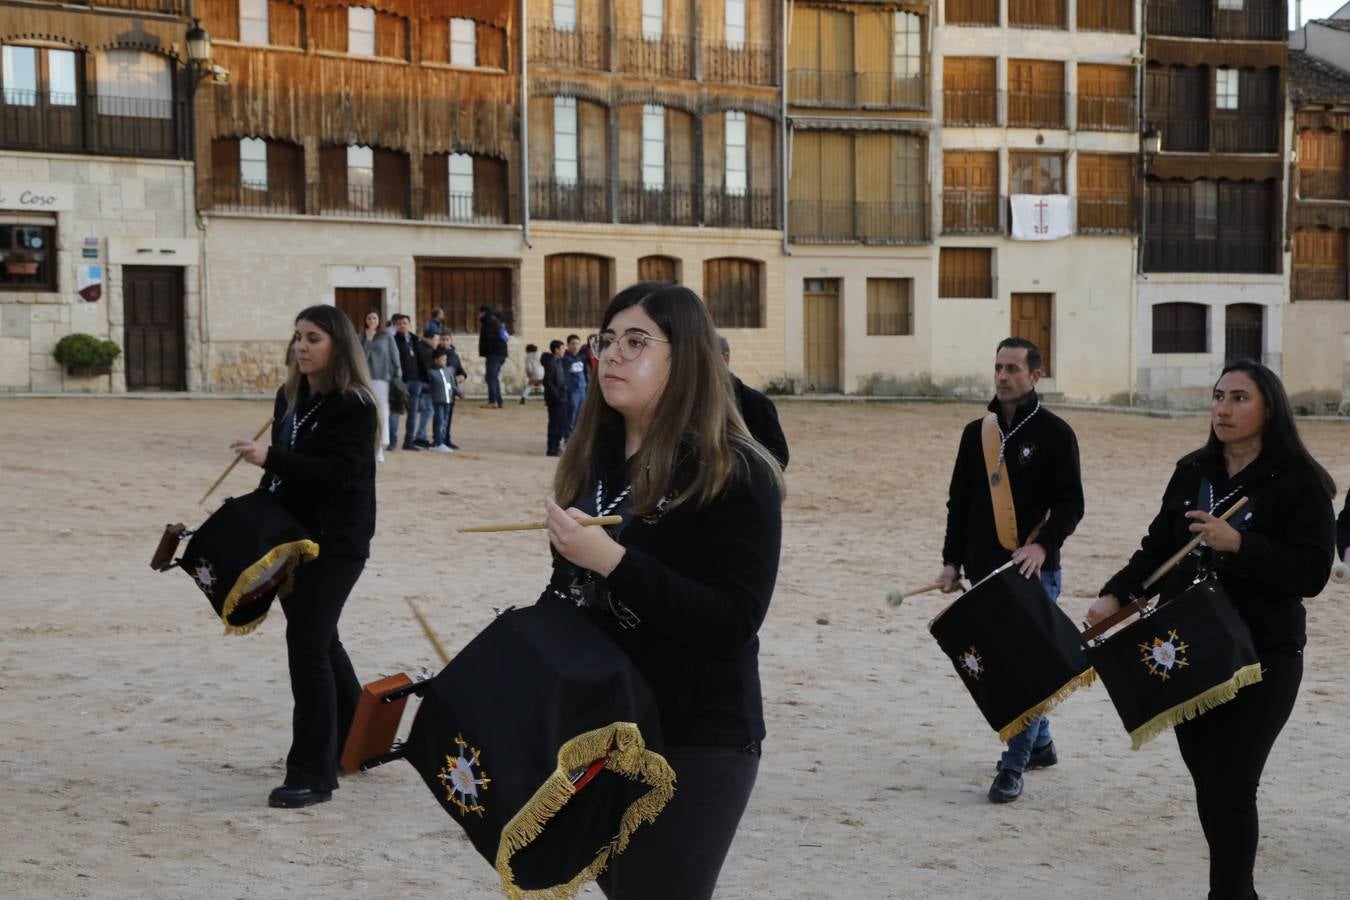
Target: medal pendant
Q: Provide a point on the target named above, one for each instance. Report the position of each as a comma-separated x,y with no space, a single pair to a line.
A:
996,478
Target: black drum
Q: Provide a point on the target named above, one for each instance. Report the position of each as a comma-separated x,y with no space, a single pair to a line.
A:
244,556
1016,652
542,741
1186,656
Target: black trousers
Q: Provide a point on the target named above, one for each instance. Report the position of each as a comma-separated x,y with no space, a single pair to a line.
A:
680,855
1225,750
323,681
557,425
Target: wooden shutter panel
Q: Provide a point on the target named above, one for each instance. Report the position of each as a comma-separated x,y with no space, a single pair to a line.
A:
435,40
391,35
491,46
333,176
490,189
284,24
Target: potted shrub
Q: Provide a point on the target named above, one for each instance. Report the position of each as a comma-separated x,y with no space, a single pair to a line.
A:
84,355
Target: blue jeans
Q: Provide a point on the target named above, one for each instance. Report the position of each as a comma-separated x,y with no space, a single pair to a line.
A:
574,400
1037,734
425,411
494,381
440,429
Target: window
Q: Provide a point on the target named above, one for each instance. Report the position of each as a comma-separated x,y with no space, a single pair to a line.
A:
29,253
908,45
1106,15
461,186
21,75
1035,93
736,179
1035,173
652,19
890,308
965,272
653,147
1225,88
1106,193
736,23
61,77
565,139
731,291
1106,98
253,21
360,177
132,83
463,42
360,31
576,290
253,163
1180,328
565,15
1230,4
1206,195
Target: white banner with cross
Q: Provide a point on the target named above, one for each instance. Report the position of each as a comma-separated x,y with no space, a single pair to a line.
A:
1041,217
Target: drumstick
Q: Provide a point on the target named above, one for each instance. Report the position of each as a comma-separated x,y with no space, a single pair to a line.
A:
1191,545
233,463
539,526
431,635
895,596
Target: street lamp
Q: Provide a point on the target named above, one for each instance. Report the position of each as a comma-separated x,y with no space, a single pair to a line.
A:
1152,140
199,45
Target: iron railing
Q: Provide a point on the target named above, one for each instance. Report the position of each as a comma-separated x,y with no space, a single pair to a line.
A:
739,209
482,208
1323,184
1250,255
667,56
962,107
739,63
1036,109
670,204
1321,284
972,12
1247,135
241,195
364,201
973,212
570,200
1106,215
1099,113
93,122
849,90
1051,14
577,48
845,222
968,286
1260,20
890,323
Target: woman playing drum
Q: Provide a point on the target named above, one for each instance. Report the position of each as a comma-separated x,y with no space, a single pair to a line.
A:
685,582
321,466
1279,552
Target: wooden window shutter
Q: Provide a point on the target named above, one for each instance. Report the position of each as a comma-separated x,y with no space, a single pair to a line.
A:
435,34
491,46
285,24
435,185
576,290
391,35
329,28
333,176
490,188
965,272
731,289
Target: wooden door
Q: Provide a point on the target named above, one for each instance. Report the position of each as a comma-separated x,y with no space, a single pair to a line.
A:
658,268
458,291
356,302
154,339
1243,337
1032,315
820,312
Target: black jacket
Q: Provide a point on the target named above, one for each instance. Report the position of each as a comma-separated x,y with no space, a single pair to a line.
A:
1041,465
328,477
555,379
490,341
1287,536
761,417
1343,529
700,581
414,368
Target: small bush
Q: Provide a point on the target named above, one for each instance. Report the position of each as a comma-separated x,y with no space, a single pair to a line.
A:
85,351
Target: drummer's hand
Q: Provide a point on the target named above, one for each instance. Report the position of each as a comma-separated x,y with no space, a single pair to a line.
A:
1218,534
251,451
1104,606
1029,560
951,579
587,546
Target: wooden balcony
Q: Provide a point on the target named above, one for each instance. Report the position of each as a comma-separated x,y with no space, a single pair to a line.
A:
1184,135
1098,113
578,48
1247,135
1163,253
668,56
1203,19
1052,14
1106,215
973,212
844,222
856,90
972,12
726,63
962,107
570,201
93,123
1036,109
670,204
739,209
1323,184
1320,284
177,8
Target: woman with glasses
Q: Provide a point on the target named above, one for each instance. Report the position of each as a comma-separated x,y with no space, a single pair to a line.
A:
684,583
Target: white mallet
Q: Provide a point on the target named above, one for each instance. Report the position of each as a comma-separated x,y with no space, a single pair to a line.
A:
1340,573
896,595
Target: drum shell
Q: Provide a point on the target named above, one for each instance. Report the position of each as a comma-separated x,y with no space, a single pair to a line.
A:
1028,650
1213,658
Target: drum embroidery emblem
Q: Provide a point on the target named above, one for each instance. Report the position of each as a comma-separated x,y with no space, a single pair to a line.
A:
463,777
205,577
1162,656
971,663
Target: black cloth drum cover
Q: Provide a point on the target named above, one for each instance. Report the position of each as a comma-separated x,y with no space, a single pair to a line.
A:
541,740
1016,652
244,557
1189,655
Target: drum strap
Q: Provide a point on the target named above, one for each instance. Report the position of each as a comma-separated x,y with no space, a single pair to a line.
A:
1000,490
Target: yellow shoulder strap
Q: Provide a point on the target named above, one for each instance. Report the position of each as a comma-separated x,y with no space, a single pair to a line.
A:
1000,491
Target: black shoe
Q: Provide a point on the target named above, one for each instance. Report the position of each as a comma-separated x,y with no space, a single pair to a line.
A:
452,445
554,453
422,442
411,447
1043,757
1007,786
295,797
391,446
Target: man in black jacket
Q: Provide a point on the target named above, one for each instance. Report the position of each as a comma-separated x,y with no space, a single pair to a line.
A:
760,415
555,396
1038,456
492,346
414,379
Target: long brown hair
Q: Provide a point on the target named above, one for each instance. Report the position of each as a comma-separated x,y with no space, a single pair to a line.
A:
347,372
696,413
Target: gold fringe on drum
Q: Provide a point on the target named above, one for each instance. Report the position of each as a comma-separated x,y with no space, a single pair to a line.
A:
294,553
1201,703
625,753
1022,722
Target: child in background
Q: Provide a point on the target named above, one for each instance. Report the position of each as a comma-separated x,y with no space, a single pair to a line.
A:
442,391
456,375
534,371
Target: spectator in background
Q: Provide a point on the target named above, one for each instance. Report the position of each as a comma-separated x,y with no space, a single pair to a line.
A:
534,372
414,379
577,378
437,322
761,416
492,346
382,360
442,392
425,408
555,396
457,376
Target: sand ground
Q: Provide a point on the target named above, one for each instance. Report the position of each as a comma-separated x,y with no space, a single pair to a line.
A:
138,744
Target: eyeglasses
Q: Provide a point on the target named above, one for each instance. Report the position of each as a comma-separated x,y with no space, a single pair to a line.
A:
631,344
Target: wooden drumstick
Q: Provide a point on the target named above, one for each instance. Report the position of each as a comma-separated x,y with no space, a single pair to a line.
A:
431,635
1194,542
539,526
233,463
896,595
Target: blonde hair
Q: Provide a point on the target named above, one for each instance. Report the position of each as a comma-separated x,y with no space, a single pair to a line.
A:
696,413
347,372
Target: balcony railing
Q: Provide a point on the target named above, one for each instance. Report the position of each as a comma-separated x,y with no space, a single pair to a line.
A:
1163,253
851,90
1259,21
727,63
1320,284
973,212
1098,113
570,201
882,90
879,323
1247,135
972,12
364,201
229,195
1106,215
961,107
92,123
967,286
844,222
1038,14
1036,109
578,48
483,208
1323,184
160,7
748,209
671,204
667,56
1185,135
